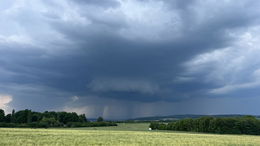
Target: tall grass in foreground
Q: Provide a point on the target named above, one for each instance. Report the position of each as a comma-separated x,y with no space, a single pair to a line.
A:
58,137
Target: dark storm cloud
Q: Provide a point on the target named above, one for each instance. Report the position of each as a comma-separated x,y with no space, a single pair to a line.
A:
110,55
139,52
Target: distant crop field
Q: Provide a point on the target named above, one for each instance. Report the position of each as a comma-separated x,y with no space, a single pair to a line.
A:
117,136
121,127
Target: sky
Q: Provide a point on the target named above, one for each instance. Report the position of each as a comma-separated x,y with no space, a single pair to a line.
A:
122,59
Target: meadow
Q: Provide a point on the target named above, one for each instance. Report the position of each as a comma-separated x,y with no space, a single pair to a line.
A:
123,134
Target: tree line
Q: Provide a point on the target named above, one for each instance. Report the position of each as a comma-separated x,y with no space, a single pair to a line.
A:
235,125
28,118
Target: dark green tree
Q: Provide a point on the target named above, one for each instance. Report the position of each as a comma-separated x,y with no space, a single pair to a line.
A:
8,118
100,119
50,122
23,116
154,125
13,120
82,118
2,115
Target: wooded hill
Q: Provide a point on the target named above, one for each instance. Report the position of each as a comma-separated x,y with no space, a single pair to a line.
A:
234,125
28,118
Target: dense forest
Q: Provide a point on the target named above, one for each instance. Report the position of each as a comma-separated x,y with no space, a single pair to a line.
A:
235,125
28,118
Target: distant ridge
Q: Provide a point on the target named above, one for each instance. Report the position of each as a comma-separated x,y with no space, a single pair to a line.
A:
178,117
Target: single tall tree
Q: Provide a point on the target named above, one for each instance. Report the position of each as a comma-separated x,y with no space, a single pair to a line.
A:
100,119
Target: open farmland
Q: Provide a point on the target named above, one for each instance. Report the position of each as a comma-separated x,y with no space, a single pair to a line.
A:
115,136
121,127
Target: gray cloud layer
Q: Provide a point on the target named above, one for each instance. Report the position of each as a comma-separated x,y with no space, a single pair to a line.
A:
130,56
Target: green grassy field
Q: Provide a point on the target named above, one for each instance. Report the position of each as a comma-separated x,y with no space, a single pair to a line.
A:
121,127
124,134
